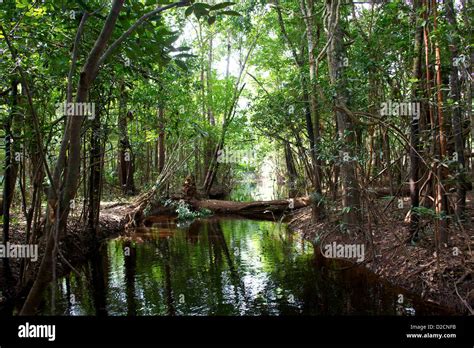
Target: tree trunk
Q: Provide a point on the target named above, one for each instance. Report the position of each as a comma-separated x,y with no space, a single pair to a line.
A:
58,207
95,176
8,184
307,9
336,54
441,198
291,171
161,139
415,130
455,91
258,209
126,158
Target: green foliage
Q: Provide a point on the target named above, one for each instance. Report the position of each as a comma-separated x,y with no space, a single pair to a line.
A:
430,213
185,212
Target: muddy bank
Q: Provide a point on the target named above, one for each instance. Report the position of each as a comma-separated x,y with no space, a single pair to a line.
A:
445,279
76,248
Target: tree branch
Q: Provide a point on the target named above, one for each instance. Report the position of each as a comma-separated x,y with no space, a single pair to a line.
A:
139,22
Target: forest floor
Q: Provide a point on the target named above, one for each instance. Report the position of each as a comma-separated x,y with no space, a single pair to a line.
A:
446,279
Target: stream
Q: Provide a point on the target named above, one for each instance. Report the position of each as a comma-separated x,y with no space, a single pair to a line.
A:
223,266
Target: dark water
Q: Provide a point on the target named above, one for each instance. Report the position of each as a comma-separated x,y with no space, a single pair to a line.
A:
223,267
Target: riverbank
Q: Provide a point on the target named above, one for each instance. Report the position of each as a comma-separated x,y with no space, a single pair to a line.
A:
445,279
76,248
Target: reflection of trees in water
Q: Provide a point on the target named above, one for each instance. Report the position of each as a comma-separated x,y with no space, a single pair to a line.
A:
99,280
343,289
285,270
349,289
130,265
219,245
164,247
85,291
224,267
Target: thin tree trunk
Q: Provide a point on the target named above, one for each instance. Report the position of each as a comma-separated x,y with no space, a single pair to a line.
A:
126,158
161,139
441,198
336,52
415,130
455,91
291,171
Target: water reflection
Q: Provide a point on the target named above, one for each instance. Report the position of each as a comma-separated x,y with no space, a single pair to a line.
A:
223,267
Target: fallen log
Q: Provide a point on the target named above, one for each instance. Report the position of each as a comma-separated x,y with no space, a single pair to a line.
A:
257,209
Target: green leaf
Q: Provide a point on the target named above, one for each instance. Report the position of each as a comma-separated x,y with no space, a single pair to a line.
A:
162,31
184,55
211,20
181,64
200,10
189,10
230,13
170,39
203,5
221,6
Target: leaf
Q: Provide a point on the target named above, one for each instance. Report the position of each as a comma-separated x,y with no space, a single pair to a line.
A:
203,5
200,10
211,20
189,10
163,31
230,13
184,55
181,64
221,6
170,39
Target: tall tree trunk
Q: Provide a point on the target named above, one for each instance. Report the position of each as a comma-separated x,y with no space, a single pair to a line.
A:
291,171
8,184
95,176
430,187
126,158
415,128
64,190
455,91
441,198
307,9
161,139
336,54
300,63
